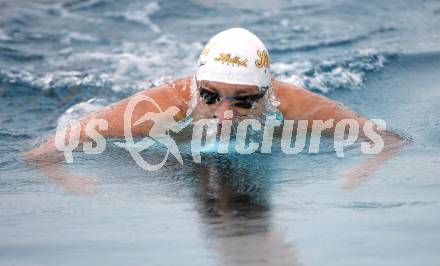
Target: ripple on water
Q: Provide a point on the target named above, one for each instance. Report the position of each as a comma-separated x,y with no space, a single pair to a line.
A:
383,205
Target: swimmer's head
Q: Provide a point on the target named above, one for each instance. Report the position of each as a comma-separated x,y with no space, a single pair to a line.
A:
233,73
235,56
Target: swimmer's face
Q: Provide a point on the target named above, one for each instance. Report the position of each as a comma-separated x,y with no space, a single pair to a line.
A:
214,98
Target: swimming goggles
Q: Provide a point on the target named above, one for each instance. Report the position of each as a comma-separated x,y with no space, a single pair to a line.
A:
246,102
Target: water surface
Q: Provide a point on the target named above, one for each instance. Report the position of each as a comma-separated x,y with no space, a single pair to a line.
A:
382,59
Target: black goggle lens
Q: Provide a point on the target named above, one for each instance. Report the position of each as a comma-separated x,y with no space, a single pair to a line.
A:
246,102
209,97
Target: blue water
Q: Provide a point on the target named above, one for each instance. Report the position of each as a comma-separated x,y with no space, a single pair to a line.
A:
60,59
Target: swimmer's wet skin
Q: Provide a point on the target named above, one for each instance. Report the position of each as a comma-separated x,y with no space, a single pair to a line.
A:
233,74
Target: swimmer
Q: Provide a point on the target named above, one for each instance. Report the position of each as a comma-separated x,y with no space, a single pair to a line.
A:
233,74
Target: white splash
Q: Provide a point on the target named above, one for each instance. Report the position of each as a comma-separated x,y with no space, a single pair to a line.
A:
141,14
328,75
80,109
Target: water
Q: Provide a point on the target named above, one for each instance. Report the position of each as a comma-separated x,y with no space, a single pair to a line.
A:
381,58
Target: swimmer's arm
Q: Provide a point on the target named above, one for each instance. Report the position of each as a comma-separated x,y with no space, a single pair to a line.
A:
165,96
300,104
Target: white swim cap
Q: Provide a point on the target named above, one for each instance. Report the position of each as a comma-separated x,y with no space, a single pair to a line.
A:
235,56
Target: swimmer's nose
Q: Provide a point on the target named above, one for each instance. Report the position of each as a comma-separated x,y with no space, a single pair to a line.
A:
220,111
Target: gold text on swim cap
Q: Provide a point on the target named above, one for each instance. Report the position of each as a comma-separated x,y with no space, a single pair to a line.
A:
264,59
227,58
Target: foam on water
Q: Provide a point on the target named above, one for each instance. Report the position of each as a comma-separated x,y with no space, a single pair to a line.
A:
141,15
72,37
3,35
136,62
328,75
132,69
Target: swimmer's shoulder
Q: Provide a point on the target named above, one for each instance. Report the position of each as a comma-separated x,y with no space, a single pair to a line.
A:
297,102
282,87
289,95
183,87
172,93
